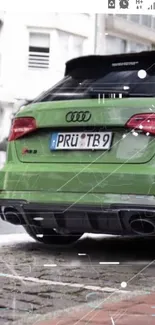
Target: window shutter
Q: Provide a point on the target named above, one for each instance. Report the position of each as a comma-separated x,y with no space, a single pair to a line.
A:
39,51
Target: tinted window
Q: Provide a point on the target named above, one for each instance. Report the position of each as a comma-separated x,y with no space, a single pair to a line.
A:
89,83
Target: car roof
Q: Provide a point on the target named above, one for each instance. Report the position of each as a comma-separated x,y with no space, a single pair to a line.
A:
147,57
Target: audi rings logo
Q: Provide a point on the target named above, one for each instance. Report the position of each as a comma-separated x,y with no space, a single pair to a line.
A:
78,116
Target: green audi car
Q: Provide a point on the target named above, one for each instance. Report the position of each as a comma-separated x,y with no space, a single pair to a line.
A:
81,156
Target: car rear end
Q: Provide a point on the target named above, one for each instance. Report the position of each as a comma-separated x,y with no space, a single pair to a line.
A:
81,156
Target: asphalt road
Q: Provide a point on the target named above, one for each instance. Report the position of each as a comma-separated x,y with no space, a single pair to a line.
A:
37,280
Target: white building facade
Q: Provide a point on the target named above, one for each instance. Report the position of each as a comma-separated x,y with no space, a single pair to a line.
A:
35,46
33,50
125,33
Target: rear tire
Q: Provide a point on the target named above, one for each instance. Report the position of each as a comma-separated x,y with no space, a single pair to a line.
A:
50,236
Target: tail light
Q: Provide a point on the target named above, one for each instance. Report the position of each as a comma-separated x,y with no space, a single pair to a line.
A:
144,122
22,126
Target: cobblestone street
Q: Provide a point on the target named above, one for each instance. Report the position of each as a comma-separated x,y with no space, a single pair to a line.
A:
37,281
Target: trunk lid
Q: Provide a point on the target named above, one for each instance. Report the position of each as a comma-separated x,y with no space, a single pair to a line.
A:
108,117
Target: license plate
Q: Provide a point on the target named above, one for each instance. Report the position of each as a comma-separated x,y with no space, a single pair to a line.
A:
81,141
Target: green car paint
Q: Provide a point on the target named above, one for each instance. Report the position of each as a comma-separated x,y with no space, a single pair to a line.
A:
127,168
123,174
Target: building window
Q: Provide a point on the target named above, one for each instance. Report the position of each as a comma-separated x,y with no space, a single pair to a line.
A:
137,47
135,18
123,16
115,45
70,45
147,20
39,51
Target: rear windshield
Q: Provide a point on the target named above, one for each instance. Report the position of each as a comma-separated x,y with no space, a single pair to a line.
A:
118,79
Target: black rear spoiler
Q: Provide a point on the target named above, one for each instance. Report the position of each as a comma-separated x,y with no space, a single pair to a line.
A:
145,58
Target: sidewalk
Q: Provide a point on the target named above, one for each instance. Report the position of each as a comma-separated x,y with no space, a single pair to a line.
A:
135,311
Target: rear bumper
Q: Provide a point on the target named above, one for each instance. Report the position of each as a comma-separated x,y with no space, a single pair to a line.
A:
71,179
110,218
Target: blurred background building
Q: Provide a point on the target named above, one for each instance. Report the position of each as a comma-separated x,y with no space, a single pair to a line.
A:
34,48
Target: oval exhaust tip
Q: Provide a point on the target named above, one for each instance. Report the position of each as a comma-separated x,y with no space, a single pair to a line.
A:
12,215
142,226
